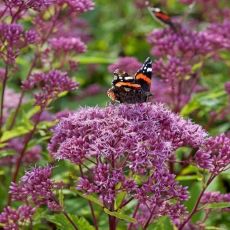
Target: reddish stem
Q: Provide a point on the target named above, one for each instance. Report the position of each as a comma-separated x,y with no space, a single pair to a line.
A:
197,203
22,152
90,205
22,93
134,215
69,219
149,219
2,95
112,223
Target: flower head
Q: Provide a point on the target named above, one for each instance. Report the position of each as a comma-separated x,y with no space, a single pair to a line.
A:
37,5
214,197
13,37
14,34
79,6
214,155
15,218
35,186
173,77
185,44
218,35
126,140
49,84
69,44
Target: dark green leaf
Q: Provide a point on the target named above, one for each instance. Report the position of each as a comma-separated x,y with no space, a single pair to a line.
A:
163,223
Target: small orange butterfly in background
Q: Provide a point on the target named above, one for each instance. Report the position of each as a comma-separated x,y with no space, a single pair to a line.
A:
162,17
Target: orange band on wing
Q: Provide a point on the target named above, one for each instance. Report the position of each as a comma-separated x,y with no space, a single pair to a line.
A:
143,77
129,84
162,16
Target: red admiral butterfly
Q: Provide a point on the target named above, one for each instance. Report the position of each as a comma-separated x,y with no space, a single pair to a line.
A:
161,16
132,89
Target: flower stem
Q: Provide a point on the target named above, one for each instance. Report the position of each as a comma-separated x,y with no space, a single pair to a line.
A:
69,219
112,223
90,205
197,203
149,219
2,95
22,93
134,215
22,152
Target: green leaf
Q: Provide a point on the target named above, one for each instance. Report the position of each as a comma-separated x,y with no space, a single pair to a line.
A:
82,223
91,198
120,197
197,66
217,205
63,223
60,221
31,112
194,190
213,228
6,153
120,215
189,169
206,101
189,177
61,197
16,132
95,60
163,223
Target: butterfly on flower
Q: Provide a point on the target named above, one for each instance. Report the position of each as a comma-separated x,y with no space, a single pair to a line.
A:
132,89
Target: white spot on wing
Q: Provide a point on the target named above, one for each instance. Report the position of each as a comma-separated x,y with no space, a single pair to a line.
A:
129,78
149,70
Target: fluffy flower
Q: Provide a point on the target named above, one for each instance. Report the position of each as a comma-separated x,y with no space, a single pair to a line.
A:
214,155
218,34
49,84
35,186
174,77
118,129
216,10
171,71
37,5
15,34
124,141
13,38
15,218
79,6
127,64
105,181
185,43
214,197
69,44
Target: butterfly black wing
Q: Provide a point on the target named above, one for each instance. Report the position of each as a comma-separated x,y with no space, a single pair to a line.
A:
144,74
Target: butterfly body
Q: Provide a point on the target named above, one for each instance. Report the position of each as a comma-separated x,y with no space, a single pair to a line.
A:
132,89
